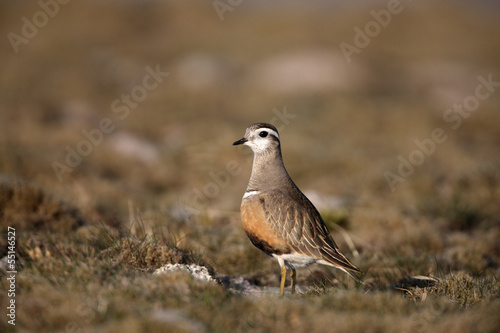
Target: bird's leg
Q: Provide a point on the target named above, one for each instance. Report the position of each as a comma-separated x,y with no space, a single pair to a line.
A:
293,276
283,279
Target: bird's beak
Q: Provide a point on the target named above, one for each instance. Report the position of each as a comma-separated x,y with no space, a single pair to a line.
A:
240,142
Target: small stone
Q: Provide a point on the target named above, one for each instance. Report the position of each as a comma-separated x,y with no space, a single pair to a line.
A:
200,273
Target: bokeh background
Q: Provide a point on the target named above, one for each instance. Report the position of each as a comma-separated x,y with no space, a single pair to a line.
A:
168,167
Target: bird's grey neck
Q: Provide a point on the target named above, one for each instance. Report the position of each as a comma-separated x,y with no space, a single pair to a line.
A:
268,171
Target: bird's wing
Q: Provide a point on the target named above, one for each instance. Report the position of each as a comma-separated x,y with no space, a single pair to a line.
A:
297,221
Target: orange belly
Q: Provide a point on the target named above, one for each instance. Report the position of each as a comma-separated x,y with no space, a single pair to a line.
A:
258,228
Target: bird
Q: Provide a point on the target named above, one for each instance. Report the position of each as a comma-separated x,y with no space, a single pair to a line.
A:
278,218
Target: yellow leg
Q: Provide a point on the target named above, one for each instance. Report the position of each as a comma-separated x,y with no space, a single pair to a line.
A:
283,279
293,276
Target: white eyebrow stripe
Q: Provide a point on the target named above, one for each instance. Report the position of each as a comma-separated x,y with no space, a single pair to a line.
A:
271,131
250,193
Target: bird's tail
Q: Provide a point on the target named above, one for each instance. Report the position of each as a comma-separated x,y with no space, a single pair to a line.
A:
336,259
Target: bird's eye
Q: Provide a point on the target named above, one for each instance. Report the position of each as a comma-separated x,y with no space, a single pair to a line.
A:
263,134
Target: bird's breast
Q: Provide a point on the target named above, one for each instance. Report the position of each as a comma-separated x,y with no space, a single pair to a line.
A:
258,228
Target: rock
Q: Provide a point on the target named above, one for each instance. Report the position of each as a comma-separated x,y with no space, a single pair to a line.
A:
417,281
133,146
200,273
326,202
200,71
308,71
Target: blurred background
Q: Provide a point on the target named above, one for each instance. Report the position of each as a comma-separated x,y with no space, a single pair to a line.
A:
125,112
120,106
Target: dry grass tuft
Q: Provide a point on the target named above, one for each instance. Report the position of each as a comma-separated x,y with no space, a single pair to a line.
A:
148,254
466,290
29,208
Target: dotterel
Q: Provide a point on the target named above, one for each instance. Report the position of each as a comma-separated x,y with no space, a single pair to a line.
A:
277,217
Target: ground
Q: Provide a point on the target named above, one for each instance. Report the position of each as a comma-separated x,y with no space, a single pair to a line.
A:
116,125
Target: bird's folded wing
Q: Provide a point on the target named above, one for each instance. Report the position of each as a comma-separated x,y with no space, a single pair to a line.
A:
299,223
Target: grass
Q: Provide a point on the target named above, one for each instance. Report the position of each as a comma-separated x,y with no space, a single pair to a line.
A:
87,246
99,278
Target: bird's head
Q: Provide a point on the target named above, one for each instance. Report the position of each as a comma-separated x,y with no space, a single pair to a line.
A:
261,137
